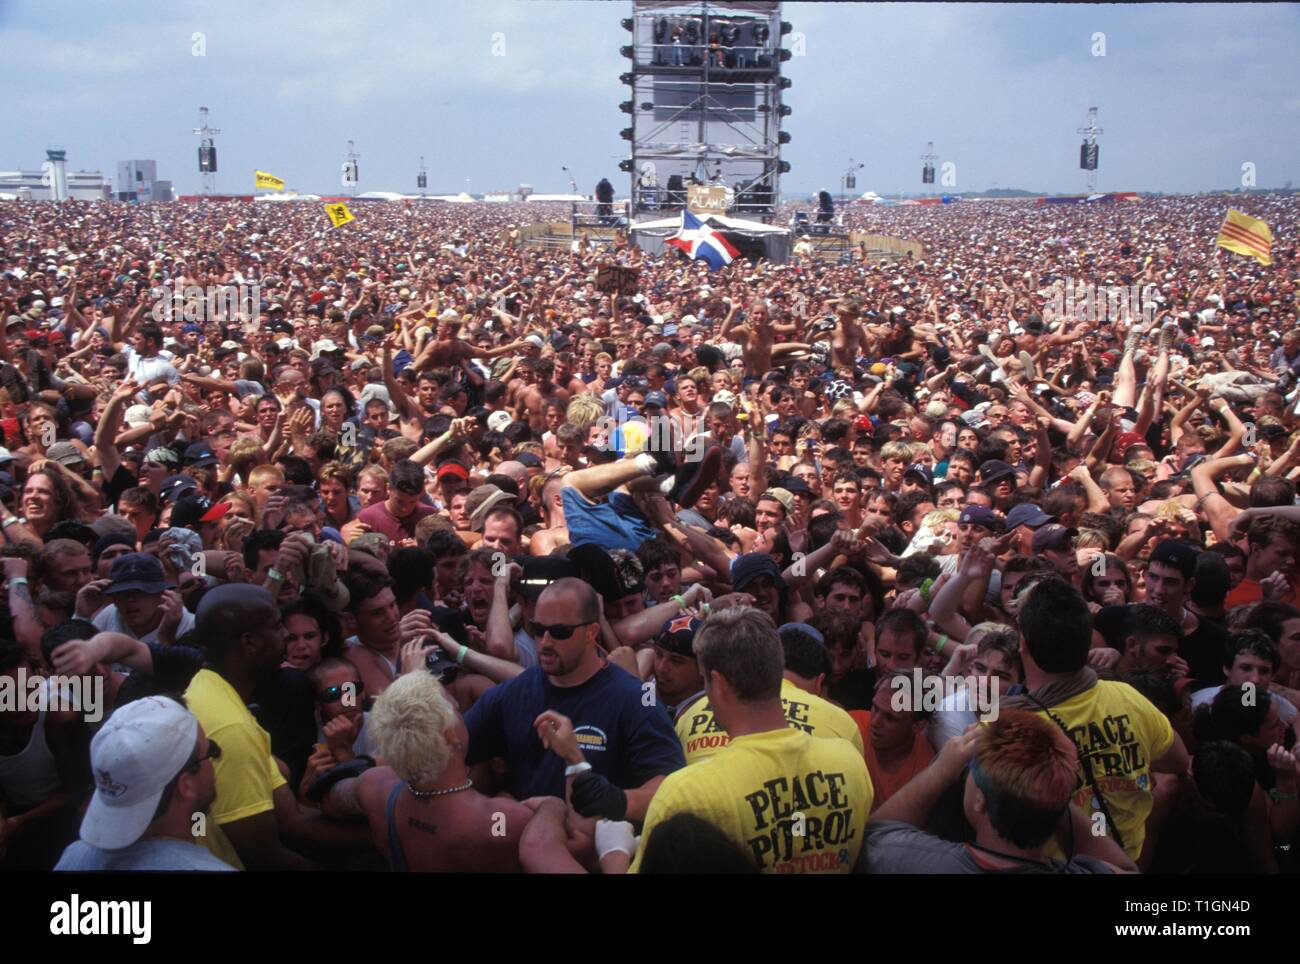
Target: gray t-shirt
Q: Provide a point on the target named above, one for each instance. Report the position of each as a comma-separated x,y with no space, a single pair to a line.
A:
894,847
151,853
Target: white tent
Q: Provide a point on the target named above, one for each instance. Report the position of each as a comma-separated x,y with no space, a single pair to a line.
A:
286,197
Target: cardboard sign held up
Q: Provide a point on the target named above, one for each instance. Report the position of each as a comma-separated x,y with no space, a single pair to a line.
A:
706,198
616,279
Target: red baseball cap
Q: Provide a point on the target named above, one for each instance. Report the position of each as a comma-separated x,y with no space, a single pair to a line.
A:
453,470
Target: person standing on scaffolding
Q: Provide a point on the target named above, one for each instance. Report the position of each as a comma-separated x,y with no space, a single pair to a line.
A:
605,201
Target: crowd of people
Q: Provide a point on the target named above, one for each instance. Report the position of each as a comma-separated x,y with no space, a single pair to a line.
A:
424,553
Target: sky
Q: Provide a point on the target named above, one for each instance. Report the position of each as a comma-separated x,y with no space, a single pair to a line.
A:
495,93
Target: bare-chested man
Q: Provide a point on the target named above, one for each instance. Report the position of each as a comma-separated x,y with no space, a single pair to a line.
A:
533,398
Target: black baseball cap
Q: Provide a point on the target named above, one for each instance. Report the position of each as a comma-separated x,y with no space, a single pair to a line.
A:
995,469
541,571
193,508
199,455
1180,555
754,565
136,570
677,635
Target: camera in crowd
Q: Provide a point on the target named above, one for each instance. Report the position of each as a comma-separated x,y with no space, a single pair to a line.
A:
444,670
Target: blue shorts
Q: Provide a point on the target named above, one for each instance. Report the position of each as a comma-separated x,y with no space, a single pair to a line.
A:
616,523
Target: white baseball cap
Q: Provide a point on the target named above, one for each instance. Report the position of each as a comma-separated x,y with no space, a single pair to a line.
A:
137,415
499,421
141,748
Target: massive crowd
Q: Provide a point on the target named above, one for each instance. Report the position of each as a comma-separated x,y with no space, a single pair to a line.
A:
439,558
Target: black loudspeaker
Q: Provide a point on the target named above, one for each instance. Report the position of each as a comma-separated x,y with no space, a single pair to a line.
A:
676,190
207,159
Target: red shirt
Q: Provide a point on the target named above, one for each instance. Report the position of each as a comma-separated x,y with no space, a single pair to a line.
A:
380,519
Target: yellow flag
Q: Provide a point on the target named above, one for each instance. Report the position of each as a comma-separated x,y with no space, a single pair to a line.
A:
263,180
1246,235
339,214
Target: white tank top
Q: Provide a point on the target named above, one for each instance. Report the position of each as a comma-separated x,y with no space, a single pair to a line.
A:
30,776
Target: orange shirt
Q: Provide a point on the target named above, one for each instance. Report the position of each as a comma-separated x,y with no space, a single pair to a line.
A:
888,782
1250,591
1247,591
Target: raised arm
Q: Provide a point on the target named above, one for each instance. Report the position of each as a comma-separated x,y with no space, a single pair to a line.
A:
106,450
1217,509
405,407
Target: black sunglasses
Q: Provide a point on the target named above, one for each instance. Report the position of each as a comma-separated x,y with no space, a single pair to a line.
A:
336,693
557,631
214,753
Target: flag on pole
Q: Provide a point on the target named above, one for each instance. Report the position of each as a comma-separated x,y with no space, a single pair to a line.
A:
1246,235
339,214
269,181
703,243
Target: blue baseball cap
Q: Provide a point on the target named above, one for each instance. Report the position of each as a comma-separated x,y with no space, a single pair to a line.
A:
1028,514
978,515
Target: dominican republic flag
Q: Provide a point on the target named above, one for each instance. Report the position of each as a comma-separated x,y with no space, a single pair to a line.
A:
701,242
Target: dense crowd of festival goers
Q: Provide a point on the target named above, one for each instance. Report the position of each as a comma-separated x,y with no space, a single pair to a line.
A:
439,558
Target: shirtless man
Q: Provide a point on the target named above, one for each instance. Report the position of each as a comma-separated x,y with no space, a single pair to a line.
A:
423,811
848,342
566,374
533,398
758,337
556,533
447,349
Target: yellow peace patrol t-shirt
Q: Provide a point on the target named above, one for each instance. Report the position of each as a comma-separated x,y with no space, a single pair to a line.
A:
1120,732
797,803
702,737
247,775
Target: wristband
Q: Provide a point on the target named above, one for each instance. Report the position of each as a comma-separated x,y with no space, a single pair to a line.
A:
924,589
576,768
274,573
460,657
1278,796
681,603
11,521
943,642
18,581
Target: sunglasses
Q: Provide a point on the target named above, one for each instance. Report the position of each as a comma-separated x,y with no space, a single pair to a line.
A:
214,754
556,631
336,693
